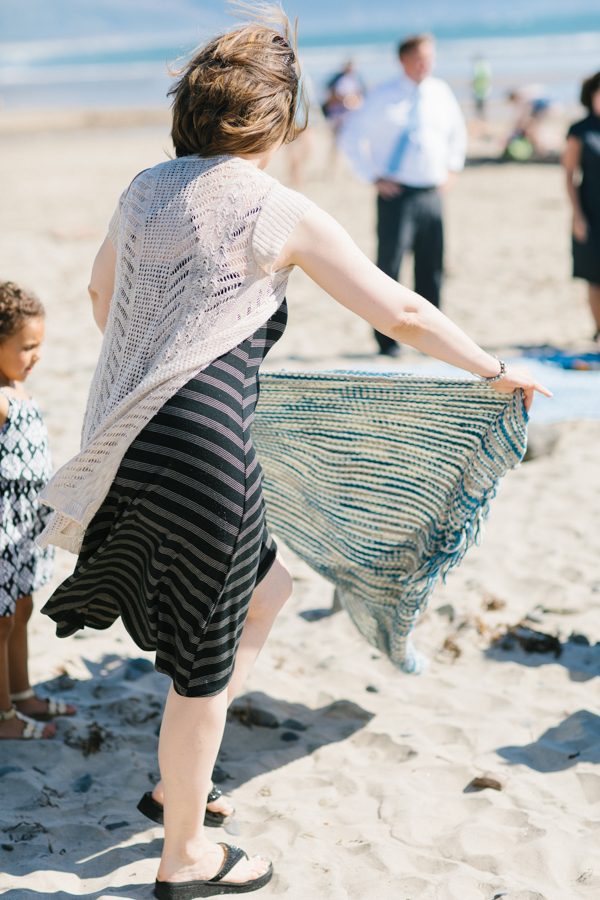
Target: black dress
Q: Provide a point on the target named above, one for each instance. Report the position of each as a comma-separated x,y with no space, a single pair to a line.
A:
586,255
180,542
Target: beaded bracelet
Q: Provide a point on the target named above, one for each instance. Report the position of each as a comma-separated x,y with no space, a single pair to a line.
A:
497,377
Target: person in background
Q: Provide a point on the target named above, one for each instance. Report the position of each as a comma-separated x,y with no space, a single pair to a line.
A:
482,86
409,139
532,103
345,93
581,160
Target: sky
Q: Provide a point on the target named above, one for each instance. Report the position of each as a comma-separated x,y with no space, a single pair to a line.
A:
25,20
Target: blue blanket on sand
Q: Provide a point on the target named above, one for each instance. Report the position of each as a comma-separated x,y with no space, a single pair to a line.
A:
576,393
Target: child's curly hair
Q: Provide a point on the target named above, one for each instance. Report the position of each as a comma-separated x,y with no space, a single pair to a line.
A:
16,306
241,92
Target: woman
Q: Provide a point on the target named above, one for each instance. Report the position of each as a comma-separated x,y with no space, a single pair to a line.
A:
581,160
165,498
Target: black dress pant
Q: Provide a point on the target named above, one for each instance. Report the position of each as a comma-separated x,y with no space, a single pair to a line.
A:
411,221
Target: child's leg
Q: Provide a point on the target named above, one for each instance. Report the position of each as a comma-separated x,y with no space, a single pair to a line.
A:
12,728
18,675
7,624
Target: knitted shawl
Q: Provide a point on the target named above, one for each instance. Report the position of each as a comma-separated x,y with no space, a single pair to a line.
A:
196,240
381,482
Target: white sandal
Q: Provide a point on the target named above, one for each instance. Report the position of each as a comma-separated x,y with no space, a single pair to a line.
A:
55,707
33,731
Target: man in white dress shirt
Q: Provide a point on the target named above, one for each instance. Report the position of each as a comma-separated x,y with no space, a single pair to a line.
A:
409,138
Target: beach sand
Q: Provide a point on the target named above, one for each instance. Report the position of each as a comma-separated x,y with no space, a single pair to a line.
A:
364,794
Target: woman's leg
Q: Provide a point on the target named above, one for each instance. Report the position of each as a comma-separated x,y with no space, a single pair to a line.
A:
190,736
267,599
594,300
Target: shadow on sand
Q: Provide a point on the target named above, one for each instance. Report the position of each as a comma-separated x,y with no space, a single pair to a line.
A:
575,740
68,806
577,654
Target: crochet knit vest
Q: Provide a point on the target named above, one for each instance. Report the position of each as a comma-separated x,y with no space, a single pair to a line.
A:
196,241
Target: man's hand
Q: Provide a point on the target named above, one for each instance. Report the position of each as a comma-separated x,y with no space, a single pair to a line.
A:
448,184
388,189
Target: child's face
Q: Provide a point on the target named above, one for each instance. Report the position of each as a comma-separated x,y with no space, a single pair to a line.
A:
19,353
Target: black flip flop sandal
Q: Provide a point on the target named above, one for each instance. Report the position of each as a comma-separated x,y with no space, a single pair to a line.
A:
189,890
153,810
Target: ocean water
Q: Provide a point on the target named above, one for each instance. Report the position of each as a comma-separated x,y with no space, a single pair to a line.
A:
101,53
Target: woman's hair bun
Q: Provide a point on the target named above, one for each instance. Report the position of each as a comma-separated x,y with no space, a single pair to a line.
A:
241,92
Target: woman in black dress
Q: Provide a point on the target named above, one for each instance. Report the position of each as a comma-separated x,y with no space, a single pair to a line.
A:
581,160
178,546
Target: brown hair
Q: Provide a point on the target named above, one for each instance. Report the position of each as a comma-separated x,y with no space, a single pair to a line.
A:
16,306
588,89
241,92
408,44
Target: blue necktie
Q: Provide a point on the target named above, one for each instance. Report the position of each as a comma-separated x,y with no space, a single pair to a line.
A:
412,123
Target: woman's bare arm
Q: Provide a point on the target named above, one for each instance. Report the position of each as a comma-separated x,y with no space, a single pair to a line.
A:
102,282
321,247
571,160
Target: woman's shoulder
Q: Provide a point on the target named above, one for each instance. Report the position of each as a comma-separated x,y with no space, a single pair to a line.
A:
581,128
230,172
168,174
259,186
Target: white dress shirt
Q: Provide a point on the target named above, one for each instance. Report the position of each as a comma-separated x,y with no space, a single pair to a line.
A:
411,133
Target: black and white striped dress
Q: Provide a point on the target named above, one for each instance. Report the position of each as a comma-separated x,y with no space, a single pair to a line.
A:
180,541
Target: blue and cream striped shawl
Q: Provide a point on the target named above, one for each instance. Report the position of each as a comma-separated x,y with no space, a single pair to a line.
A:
381,483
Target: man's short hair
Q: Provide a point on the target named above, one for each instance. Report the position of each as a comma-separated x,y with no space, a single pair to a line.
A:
413,42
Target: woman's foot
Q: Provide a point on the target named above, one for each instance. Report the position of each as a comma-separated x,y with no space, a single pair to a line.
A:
221,805
212,861
42,710
17,729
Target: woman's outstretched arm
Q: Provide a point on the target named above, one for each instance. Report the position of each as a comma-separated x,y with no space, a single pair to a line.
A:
328,255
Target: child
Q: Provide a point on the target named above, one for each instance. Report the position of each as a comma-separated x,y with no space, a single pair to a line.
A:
24,469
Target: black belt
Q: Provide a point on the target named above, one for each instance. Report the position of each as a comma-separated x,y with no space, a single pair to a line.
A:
411,187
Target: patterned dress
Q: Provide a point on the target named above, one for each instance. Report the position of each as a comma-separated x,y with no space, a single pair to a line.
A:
25,468
180,542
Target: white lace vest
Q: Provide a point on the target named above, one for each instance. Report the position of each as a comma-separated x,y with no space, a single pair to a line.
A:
196,241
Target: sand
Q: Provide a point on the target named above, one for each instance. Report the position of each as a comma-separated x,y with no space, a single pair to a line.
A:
370,798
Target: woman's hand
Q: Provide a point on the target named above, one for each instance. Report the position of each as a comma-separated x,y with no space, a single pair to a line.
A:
580,228
520,377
